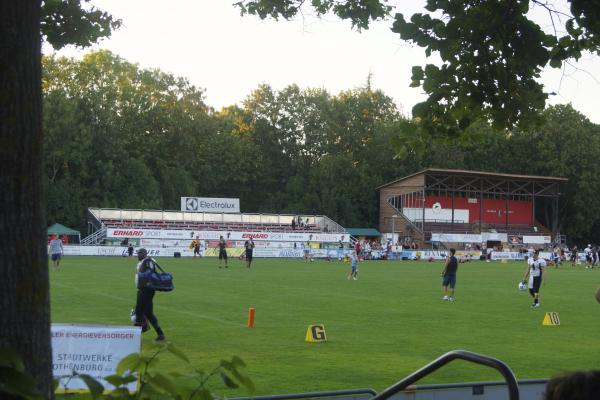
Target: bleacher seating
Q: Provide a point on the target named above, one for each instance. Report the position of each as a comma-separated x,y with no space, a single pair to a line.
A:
215,226
448,227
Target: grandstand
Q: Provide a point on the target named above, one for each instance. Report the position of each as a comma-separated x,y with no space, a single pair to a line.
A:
101,219
444,201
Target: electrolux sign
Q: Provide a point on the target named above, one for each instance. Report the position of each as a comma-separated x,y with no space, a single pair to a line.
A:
210,204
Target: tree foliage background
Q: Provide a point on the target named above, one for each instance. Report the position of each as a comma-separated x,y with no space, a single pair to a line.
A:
117,135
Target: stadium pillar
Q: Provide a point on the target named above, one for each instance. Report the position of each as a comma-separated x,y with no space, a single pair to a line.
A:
533,204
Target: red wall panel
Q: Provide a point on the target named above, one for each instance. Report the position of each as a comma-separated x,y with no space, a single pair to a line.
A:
494,211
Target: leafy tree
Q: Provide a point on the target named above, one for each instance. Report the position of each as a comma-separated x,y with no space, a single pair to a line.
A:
566,145
65,22
67,149
491,53
145,127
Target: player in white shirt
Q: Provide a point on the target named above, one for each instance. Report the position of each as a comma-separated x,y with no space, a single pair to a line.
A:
536,273
588,256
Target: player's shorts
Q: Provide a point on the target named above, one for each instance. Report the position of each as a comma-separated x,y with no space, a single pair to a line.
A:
449,280
306,252
56,256
534,284
196,250
249,255
354,268
588,258
222,255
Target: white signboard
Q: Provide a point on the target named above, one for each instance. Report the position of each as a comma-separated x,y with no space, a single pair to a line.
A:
94,350
536,239
436,213
215,235
210,204
259,252
494,237
455,238
507,255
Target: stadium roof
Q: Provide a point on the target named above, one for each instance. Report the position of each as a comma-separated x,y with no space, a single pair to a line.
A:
58,229
363,231
479,174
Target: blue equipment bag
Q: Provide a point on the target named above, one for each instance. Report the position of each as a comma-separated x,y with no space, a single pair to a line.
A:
152,279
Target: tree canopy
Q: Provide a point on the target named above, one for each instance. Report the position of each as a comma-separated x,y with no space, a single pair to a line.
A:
65,22
112,124
491,52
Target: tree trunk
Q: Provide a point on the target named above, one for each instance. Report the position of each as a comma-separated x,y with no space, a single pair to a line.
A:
24,298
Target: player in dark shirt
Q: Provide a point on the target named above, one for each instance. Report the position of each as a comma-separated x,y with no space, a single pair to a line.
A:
222,251
449,275
197,249
249,245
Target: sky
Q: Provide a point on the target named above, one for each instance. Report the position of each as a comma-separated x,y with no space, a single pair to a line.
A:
209,43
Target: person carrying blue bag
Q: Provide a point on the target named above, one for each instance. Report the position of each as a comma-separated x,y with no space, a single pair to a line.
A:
144,312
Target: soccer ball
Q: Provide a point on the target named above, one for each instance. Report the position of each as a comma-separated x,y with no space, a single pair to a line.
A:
522,286
132,315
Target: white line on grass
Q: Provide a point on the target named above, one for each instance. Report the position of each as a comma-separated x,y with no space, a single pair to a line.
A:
166,308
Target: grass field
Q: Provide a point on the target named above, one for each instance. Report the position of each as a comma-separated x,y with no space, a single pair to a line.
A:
380,328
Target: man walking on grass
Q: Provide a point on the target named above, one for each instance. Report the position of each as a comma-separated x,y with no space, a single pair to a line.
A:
449,276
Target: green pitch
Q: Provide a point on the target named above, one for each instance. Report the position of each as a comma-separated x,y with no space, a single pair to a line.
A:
380,328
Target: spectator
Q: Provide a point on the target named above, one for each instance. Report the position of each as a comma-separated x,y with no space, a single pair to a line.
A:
574,386
293,224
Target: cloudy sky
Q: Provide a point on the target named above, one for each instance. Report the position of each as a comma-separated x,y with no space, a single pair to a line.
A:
208,42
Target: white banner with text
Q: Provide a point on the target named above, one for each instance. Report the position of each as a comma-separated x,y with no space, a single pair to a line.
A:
455,238
537,239
210,205
228,235
94,350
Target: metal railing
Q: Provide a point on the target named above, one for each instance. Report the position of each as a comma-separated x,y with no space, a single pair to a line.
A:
346,394
513,385
416,225
404,388
94,237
